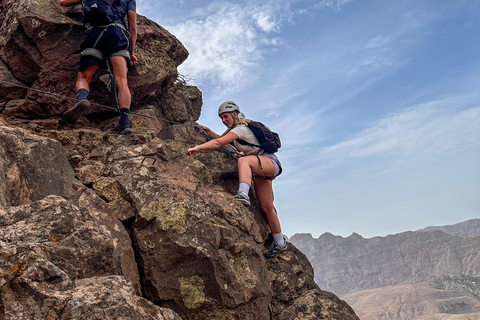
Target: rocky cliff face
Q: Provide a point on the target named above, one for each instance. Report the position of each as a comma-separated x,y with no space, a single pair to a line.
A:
109,226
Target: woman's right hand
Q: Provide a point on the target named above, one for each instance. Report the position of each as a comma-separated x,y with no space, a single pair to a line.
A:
192,151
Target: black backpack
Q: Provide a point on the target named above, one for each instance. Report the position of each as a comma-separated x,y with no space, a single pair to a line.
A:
100,12
269,141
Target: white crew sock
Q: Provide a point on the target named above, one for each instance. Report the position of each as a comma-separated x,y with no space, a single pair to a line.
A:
244,188
279,238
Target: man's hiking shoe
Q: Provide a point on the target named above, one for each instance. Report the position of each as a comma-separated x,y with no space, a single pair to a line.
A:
122,129
268,241
275,248
240,196
79,109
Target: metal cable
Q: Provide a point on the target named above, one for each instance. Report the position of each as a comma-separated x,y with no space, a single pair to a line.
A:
93,103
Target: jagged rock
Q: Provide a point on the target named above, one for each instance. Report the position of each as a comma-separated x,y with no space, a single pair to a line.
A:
106,216
182,103
57,263
199,252
31,168
111,298
296,294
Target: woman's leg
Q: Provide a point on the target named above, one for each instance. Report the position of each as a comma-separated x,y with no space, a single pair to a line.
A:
249,164
246,166
263,189
264,192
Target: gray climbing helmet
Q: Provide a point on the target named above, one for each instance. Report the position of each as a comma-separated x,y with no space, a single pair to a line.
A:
228,106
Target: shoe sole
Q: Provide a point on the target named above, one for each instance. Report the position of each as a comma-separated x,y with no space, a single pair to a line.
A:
275,253
79,109
243,201
124,131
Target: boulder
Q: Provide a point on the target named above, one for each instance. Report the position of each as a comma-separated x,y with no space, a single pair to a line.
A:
57,263
31,168
199,252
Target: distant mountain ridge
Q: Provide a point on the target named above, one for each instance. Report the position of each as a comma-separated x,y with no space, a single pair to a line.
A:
469,228
434,271
346,265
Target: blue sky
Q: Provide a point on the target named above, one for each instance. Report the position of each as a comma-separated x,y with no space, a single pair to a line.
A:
377,102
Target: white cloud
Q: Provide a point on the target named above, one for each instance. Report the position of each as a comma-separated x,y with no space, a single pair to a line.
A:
333,4
379,41
226,42
426,130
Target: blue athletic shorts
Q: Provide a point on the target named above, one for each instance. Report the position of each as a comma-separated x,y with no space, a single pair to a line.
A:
114,39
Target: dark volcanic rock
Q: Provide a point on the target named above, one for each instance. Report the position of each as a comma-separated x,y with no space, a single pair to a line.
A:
57,263
31,168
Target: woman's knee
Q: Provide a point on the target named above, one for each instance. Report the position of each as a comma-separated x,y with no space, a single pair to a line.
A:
243,161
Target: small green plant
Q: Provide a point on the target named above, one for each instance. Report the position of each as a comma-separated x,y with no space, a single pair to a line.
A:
466,283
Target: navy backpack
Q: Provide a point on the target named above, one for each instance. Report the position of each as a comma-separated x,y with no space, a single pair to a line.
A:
269,141
100,12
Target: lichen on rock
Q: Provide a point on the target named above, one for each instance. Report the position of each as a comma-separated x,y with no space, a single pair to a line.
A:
108,188
241,269
169,214
193,291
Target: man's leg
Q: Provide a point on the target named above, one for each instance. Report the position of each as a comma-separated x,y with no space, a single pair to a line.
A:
120,69
82,87
85,77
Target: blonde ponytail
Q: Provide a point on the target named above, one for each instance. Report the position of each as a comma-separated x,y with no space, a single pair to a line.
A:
243,121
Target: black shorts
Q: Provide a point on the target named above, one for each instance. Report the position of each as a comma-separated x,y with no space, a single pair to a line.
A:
113,40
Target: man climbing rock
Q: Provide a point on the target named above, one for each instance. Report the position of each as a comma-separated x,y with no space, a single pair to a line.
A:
108,39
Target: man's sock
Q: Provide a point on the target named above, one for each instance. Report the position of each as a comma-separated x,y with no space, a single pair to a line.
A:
82,94
279,238
123,116
244,188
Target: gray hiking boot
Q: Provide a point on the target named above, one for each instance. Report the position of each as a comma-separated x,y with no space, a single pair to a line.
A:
122,129
274,248
240,196
79,109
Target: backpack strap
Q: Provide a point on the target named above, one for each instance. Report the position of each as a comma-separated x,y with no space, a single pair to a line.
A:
245,143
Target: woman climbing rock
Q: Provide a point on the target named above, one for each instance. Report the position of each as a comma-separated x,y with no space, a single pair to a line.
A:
256,162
